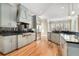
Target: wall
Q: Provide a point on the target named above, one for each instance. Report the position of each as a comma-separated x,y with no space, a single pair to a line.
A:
74,24
0,15
44,28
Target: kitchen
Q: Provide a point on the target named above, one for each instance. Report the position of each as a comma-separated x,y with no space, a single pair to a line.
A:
21,24
14,32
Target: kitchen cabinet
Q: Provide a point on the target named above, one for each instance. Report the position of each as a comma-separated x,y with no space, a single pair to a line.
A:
7,44
73,49
69,47
25,38
49,36
32,38
13,42
55,38
20,41
8,15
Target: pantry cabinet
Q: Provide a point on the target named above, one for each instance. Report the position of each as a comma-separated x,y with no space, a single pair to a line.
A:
8,15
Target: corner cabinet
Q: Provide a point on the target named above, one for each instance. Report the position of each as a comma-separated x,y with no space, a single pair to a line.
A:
8,15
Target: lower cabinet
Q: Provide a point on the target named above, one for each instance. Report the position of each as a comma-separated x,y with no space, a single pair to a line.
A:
55,38
7,44
69,48
49,36
12,42
24,39
20,41
72,49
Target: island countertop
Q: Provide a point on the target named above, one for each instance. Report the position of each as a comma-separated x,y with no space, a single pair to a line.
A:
68,36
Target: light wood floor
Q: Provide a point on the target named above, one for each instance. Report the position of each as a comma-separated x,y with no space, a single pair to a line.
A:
38,48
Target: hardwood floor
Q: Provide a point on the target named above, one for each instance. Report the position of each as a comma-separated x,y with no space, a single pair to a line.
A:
38,48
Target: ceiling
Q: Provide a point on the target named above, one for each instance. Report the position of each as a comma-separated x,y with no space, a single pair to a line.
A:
52,11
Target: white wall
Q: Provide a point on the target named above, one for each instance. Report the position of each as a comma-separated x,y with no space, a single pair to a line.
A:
74,24
44,27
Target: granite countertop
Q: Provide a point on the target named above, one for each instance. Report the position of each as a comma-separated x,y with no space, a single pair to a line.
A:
72,42
69,36
67,32
8,33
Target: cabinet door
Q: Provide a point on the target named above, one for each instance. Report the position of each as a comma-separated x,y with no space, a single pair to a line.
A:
5,15
24,40
12,16
73,49
7,45
28,39
1,44
55,38
20,41
14,46
31,38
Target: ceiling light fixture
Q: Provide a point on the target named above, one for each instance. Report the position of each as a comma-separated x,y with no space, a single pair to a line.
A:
73,12
62,7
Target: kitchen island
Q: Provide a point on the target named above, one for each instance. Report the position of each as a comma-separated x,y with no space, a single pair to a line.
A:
68,41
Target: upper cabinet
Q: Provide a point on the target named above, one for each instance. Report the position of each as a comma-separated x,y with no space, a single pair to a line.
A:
8,15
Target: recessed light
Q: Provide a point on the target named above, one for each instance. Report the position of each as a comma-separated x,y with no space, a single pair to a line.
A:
62,7
73,12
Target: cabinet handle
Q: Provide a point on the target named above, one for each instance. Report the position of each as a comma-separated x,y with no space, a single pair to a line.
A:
26,35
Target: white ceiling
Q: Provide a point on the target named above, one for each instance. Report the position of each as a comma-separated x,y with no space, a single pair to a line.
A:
52,10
